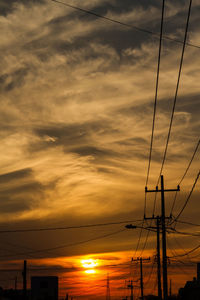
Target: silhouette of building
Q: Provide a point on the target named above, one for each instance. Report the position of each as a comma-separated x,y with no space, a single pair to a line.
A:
10,294
191,290
44,288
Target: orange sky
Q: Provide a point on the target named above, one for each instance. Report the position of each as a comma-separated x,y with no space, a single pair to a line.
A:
85,277
77,95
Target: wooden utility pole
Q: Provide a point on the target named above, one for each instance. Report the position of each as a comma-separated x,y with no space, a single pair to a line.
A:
131,287
24,273
141,279
158,259
141,259
108,288
170,288
164,248
15,283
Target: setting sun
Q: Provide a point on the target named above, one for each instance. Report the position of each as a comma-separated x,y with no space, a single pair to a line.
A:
89,263
91,271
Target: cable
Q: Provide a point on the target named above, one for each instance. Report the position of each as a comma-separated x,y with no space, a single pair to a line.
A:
156,96
90,12
185,233
185,173
187,200
187,223
191,160
66,245
153,124
190,251
176,92
181,247
65,228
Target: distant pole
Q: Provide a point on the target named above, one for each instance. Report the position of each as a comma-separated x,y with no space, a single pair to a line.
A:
15,283
24,273
141,280
158,260
131,287
170,288
108,288
164,249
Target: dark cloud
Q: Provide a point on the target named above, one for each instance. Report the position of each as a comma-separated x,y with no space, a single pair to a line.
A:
7,7
69,136
19,191
11,176
93,151
13,80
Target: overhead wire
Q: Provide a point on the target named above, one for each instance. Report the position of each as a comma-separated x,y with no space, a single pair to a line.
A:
186,253
153,125
187,200
65,245
66,227
177,88
156,96
185,173
185,233
90,12
187,223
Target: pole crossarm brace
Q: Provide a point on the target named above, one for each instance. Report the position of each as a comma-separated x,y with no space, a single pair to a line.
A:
161,223
141,258
157,190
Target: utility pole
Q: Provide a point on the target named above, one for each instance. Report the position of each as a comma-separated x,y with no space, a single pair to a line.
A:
164,248
15,283
108,288
24,273
130,286
141,274
170,288
141,279
158,259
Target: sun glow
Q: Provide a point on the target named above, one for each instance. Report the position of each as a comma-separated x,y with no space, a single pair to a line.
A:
92,271
90,265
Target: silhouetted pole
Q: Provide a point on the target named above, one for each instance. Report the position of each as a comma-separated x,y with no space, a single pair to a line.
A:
141,279
24,280
164,250
131,287
15,283
158,260
108,288
170,288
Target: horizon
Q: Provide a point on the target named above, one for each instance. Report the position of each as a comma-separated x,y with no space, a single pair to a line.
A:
78,86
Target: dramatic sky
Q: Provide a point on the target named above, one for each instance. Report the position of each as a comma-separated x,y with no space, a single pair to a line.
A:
77,96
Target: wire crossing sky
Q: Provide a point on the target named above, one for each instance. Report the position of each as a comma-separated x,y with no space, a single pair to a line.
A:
78,84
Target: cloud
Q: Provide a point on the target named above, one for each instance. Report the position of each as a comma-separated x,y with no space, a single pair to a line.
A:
77,106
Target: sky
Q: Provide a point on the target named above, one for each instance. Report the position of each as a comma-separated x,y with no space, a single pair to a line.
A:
77,96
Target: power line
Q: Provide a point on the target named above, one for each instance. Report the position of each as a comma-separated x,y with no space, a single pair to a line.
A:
187,223
156,96
185,233
187,200
176,92
185,173
186,253
90,12
66,245
153,124
66,228
190,162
